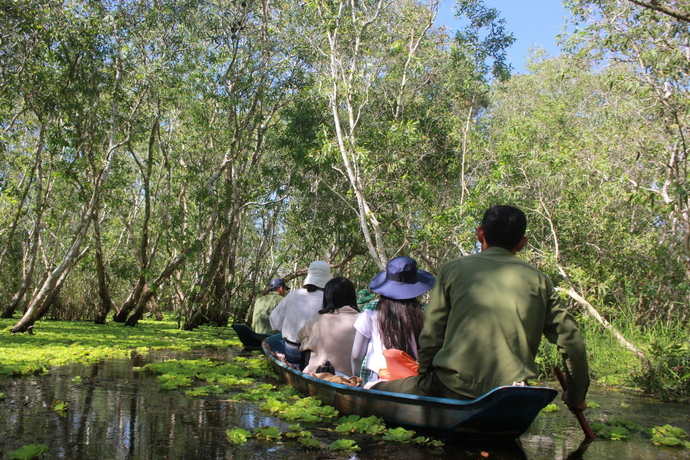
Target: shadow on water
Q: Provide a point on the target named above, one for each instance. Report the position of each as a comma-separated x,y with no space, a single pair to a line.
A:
118,413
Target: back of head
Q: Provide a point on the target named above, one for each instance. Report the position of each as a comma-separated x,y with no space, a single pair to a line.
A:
318,274
337,293
504,226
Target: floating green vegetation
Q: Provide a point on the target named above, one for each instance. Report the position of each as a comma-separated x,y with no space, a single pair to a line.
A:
668,435
614,433
625,405
304,410
177,373
268,433
354,424
56,343
77,380
28,452
203,392
61,407
344,444
551,408
593,405
2,396
238,436
399,434
629,424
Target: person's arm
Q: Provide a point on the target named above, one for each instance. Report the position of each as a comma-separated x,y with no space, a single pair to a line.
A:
359,351
561,329
435,321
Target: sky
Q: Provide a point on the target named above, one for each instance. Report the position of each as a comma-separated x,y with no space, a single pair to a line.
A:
532,22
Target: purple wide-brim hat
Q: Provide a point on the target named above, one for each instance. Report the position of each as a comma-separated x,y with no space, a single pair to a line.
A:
402,280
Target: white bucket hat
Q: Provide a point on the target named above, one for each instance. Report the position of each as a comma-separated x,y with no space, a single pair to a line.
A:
319,274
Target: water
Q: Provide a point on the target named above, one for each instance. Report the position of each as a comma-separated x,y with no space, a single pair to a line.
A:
117,413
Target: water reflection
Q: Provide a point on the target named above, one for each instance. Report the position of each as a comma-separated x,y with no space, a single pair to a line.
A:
117,413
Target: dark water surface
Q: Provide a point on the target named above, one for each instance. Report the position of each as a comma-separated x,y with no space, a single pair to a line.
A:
117,413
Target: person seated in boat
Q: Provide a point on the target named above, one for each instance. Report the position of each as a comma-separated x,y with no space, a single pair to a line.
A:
396,320
330,333
264,305
485,318
299,306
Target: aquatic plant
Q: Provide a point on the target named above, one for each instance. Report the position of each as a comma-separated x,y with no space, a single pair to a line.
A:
77,380
399,434
268,432
668,435
309,443
353,424
238,436
56,343
202,392
551,408
344,444
60,407
614,433
592,405
667,374
305,410
629,424
28,452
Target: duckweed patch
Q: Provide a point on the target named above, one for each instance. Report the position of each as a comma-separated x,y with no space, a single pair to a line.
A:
57,343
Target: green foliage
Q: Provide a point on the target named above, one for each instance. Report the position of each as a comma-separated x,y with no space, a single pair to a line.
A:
344,445
592,405
668,435
399,434
61,407
309,443
202,392
551,408
238,436
269,433
668,372
614,433
28,452
305,410
77,380
56,343
353,424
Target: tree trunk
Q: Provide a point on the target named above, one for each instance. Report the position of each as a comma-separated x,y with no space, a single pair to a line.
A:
103,292
139,311
131,302
35,236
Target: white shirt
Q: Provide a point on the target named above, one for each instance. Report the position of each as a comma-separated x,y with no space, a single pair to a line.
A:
294,310
367,324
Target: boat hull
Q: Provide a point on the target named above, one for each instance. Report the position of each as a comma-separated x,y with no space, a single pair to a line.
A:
248,337
505,412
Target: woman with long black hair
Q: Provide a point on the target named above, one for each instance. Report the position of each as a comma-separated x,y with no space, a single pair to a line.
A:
397,320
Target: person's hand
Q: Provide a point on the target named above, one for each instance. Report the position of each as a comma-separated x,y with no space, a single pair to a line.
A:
573,407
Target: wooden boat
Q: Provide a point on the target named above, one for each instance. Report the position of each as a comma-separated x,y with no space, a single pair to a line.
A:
503,413
248,337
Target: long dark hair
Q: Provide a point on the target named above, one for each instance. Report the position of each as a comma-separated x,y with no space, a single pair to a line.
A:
337,293
312,288
399,321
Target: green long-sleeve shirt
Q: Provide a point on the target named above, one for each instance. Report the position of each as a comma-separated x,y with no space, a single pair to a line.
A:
484,322
262,311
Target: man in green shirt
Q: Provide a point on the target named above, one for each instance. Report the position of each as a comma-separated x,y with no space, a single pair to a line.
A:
265,305
485,318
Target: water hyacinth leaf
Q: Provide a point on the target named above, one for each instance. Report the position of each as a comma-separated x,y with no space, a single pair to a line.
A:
668,435
344,444
28,452
238,436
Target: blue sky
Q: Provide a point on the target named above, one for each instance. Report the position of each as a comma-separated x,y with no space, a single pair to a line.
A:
532,22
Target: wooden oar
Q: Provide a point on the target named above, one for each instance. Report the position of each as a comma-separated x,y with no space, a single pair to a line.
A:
589,434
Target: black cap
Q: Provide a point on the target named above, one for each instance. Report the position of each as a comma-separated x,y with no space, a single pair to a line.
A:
276,283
